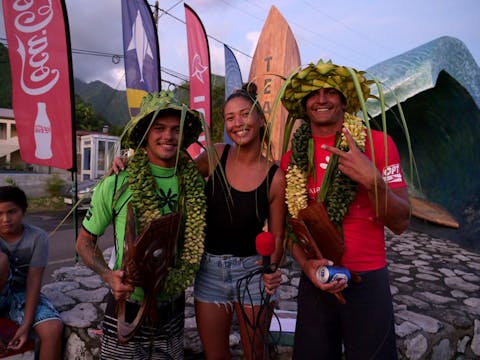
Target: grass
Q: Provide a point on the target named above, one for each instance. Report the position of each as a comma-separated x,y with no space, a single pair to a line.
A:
46,204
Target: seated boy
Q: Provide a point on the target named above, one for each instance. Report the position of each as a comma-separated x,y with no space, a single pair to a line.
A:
23,257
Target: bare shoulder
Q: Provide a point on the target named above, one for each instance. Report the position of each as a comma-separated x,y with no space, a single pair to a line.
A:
278,181
205,163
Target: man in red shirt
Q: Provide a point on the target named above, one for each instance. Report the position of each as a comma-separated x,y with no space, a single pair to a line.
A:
372,194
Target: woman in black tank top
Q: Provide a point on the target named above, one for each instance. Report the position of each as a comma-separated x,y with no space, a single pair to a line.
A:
245,190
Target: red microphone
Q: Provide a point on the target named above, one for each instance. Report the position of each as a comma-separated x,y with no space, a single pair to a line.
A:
265,245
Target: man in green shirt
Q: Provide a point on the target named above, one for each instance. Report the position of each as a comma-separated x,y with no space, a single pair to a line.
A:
160,184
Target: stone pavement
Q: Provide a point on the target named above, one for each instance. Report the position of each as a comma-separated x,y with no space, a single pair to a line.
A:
435,285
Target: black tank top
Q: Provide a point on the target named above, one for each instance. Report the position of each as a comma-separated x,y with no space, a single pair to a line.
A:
235,219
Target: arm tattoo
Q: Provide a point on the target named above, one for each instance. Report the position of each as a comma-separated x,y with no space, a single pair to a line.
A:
94,258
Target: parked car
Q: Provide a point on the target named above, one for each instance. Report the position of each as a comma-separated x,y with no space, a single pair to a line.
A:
84,194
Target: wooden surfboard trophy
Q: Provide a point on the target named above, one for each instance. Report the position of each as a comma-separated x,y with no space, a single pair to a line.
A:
427,210
276,54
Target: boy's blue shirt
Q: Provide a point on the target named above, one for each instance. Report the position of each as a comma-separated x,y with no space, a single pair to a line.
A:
30,250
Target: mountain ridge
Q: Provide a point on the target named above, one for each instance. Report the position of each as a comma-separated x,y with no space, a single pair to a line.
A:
106,101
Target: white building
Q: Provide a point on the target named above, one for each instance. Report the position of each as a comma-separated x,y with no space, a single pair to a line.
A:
95,153
9,148
95,150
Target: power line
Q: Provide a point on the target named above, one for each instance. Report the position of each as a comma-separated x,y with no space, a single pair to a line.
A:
175,74
360,34
175,85
242,9
166,12
163,69
116,57
337,46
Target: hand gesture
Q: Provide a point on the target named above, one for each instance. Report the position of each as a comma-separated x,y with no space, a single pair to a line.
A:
354,163
20,338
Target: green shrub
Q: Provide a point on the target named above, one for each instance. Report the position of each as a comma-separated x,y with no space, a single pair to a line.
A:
10,181
54,185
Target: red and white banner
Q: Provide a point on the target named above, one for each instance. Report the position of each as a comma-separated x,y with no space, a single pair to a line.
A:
199,70
39,52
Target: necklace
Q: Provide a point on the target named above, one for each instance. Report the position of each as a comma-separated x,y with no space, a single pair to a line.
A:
337,190
192,203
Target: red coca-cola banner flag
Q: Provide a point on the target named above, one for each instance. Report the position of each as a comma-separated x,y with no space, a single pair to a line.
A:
199,70
39,52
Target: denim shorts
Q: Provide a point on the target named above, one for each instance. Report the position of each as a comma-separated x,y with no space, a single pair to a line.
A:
12,303
227,279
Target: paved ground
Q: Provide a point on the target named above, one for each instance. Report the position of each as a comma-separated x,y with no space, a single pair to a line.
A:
61,230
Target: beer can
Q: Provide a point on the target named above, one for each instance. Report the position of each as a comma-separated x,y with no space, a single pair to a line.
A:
326,274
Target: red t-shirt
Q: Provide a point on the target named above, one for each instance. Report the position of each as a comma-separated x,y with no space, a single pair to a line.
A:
363,232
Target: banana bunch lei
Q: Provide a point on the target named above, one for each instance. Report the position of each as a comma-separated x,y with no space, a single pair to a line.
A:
337,190
192,203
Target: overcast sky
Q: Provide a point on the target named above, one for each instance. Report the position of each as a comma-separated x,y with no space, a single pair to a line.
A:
358,33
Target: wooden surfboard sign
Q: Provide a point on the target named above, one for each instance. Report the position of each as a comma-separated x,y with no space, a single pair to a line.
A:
276,55
426,210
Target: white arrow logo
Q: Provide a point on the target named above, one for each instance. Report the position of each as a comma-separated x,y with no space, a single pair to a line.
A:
139,42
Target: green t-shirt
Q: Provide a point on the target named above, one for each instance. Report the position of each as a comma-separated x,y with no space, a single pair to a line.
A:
112,194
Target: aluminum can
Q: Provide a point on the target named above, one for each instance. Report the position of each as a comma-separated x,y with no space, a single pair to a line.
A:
326,274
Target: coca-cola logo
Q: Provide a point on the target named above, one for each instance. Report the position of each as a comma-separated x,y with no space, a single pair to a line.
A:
42,129
37,76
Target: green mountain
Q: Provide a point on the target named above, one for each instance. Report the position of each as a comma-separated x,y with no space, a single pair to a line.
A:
111,104
108,102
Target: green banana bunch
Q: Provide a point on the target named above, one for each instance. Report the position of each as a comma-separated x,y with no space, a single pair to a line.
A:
337,190
342,190
143,187
341,193
192,204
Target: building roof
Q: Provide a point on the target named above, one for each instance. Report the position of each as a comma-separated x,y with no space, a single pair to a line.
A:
6,113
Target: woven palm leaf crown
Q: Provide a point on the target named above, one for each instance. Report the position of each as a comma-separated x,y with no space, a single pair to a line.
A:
323,75
152,106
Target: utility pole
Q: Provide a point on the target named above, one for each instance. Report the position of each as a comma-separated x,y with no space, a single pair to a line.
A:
155,14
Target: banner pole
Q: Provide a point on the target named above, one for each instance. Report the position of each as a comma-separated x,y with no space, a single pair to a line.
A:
74,126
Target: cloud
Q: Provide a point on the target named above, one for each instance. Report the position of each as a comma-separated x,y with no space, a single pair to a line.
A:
368,33
252,37
95,26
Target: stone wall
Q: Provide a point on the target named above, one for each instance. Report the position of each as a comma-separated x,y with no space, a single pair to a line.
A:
435,285
34,185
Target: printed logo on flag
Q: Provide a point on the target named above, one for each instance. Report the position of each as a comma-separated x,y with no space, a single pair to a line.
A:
141,53
198,69
40,68
139,43
392,174
199,66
